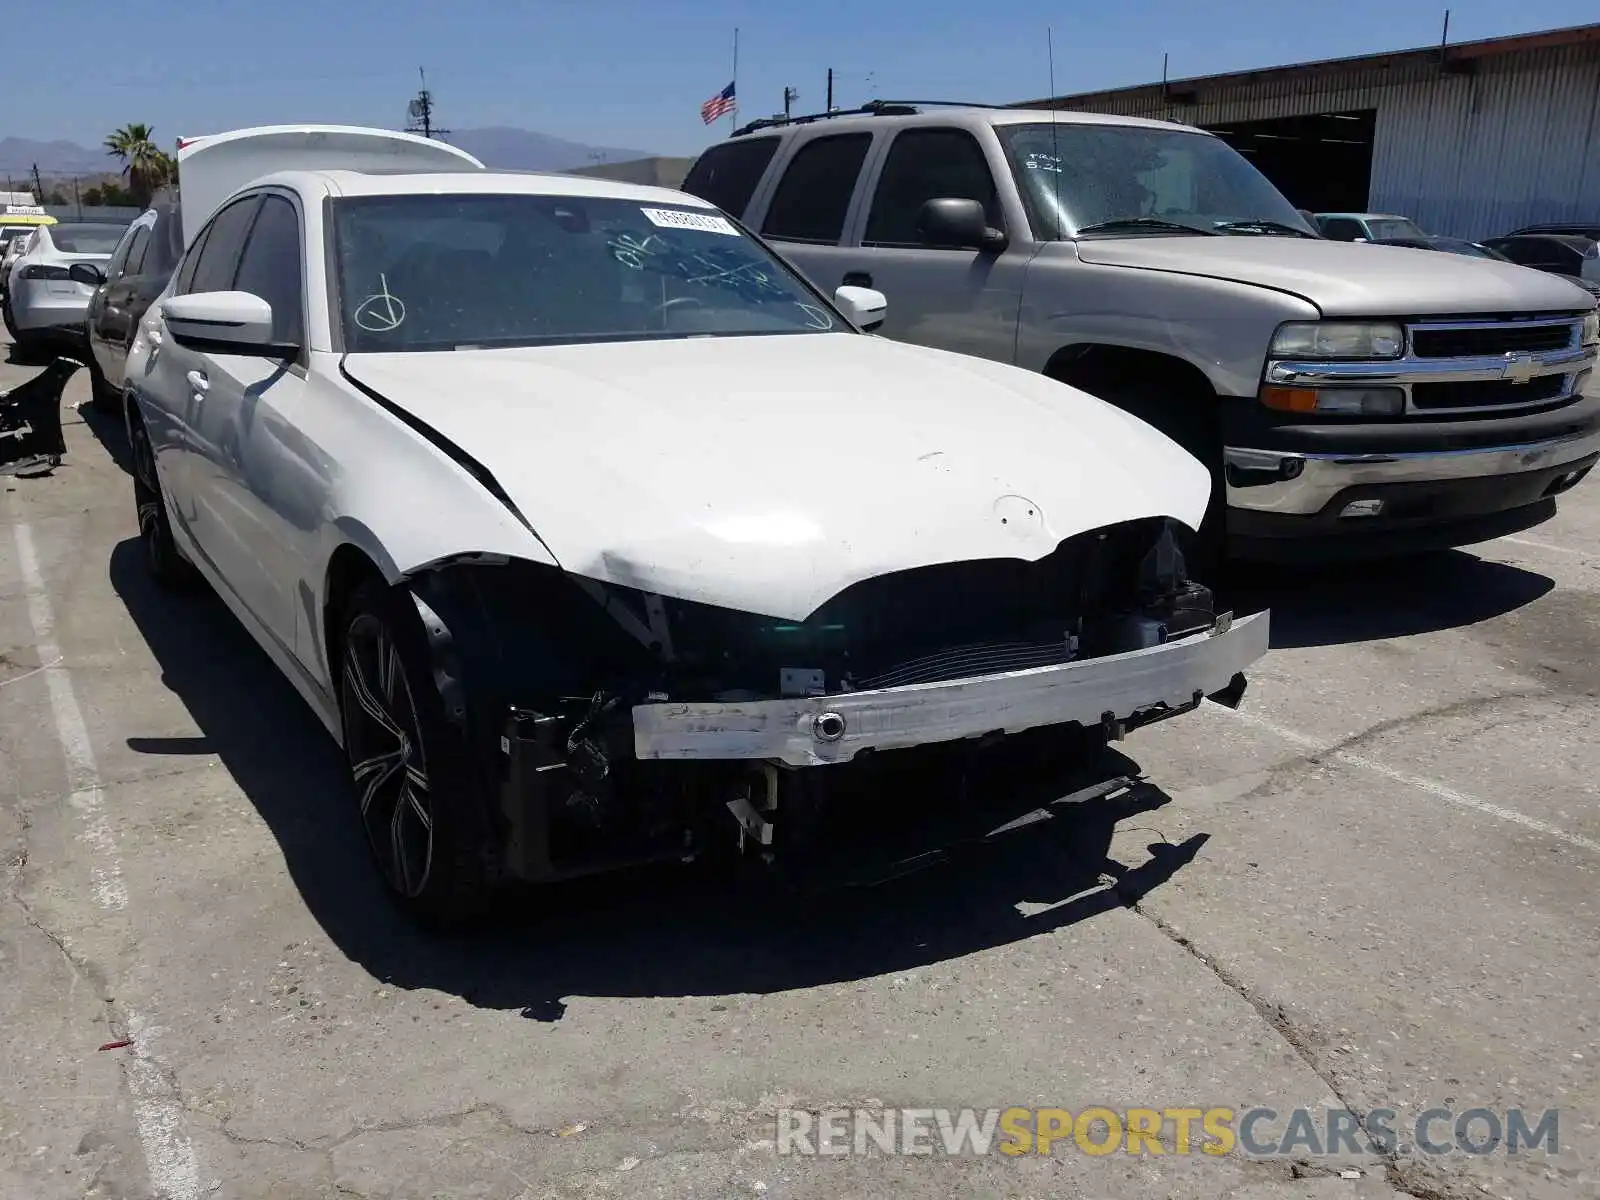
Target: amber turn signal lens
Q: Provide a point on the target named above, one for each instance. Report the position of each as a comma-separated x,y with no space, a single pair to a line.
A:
1289,399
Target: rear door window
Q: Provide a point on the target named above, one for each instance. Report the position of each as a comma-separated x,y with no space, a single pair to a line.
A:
926,164
727,174
814,194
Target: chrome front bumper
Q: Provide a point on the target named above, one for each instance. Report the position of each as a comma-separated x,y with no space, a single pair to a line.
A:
813,731
1307,482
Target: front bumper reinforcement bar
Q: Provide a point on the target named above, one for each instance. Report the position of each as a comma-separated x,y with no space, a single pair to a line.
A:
1115,690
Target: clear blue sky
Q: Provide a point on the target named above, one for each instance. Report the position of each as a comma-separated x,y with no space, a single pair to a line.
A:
633,73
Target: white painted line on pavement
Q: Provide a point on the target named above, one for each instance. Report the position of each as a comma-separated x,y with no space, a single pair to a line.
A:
168,1153
1516,541
1421,783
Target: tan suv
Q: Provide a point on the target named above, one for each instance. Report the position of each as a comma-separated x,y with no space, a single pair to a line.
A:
1349,399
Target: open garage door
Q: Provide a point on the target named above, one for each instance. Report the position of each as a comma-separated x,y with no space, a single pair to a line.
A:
1321,162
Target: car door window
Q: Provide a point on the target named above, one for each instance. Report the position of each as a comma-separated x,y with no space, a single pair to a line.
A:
117,267
270,267
727,175
814,193
219,256
166,245
925,164
137,251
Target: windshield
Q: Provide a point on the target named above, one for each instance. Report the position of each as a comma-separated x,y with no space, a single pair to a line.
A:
439,272
1074,175
1393,227
86,239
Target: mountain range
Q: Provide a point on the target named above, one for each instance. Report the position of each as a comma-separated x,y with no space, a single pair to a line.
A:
499,147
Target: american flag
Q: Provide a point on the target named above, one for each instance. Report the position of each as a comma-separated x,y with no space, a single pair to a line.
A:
719,105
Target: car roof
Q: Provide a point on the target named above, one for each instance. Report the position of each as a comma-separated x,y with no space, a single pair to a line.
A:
463,183
955,114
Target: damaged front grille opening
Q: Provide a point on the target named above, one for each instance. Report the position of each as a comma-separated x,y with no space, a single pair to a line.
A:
576,800
1102,592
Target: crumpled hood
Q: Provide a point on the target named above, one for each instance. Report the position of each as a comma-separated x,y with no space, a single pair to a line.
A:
767,474
1349,279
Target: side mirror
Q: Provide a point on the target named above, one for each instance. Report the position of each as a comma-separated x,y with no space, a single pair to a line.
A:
957,224
865,307
225,323
88,273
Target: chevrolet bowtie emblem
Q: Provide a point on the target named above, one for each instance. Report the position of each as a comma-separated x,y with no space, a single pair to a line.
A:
1519,368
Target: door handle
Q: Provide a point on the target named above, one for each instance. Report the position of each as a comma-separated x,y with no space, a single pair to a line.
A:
856,279
200,384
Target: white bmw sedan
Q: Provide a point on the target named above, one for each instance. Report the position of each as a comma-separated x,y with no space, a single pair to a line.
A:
595,534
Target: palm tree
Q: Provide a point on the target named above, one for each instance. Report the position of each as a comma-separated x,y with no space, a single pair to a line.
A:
143,162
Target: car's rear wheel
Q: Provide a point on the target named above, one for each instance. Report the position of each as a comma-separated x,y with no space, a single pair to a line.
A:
10,321
166,564
421,802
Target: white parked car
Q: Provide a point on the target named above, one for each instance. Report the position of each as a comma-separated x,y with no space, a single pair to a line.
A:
44,296
595,534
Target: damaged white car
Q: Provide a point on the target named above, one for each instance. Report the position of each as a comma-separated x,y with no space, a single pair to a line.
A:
592,531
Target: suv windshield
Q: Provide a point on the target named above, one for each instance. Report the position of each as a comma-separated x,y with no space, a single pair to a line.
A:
440,272
86,239
1074,175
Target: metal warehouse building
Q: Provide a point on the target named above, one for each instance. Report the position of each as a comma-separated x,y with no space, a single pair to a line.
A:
1471,139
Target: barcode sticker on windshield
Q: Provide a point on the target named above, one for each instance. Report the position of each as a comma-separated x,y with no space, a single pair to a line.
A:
676,218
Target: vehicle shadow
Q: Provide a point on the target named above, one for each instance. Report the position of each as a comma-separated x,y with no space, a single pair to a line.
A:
685,931
112,433
1371,601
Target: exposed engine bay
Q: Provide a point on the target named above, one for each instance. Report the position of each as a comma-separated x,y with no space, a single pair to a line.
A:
544,671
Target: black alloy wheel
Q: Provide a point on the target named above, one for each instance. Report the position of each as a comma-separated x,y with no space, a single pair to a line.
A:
424,806
388,761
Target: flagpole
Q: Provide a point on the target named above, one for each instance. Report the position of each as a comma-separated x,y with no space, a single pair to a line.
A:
733,113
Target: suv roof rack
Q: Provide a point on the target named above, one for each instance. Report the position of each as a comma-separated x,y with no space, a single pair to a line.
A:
872,108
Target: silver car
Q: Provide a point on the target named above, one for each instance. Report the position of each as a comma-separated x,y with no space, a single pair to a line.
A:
45,296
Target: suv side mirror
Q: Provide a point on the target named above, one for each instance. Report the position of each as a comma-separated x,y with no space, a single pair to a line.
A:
87,273
957,224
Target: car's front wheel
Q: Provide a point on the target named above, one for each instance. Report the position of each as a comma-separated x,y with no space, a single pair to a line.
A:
421,801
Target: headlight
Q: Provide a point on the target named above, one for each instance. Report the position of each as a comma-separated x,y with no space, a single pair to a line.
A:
1591,329
1338,339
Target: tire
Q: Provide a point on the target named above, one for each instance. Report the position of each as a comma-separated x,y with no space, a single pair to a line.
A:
423,803
11,325
165,562
1189,417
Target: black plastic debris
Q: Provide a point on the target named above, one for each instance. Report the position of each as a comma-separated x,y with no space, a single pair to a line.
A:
31,442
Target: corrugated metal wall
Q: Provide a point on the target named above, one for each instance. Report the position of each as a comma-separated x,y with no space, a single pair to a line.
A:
1466,155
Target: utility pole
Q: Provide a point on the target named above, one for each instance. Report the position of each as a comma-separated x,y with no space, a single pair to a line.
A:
789,97
830,90
420,112
38,186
